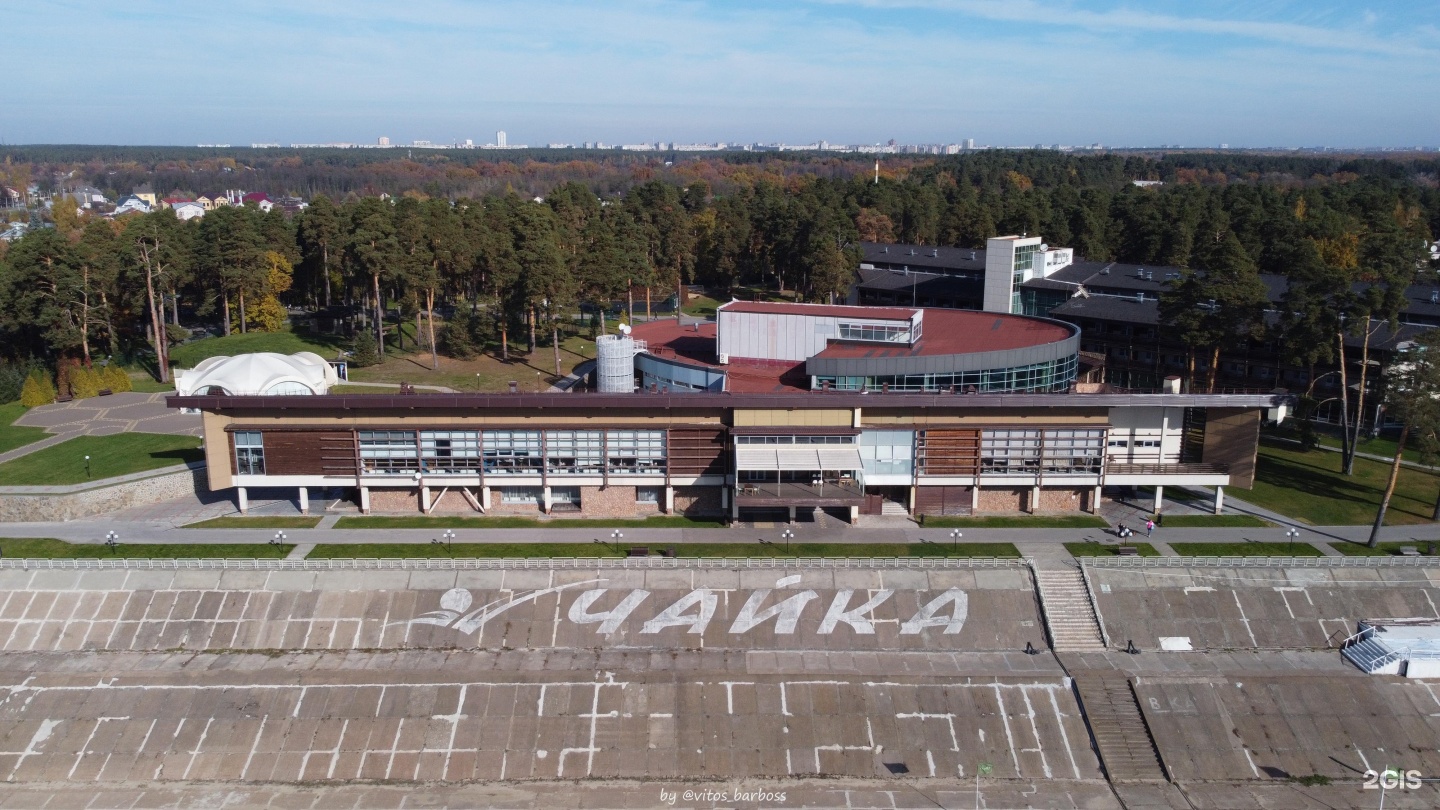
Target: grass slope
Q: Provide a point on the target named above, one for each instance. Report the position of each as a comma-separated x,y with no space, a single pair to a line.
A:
12,435
1214,522
257,522
732,550
187,355
1107,550
50,549
1245,550
461,522
1310,487
110,456
1017,522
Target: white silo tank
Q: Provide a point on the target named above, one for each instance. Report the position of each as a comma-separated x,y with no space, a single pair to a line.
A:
615,363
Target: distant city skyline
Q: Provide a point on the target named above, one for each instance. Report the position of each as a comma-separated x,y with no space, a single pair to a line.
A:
1003,72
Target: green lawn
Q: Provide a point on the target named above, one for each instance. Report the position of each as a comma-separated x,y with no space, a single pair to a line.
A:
1107,550
110,456
47,548
1309,487
187,355
1214,522
701,305
1383,550
461,522
12,435
142,382
257,522
734,550
1016,522
1245,550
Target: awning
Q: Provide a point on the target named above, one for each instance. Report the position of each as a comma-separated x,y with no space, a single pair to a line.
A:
815,458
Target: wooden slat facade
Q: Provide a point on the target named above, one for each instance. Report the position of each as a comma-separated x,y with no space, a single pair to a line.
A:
948,452
304,452
701,451
942,500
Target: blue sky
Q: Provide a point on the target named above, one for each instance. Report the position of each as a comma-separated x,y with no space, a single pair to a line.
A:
1197,73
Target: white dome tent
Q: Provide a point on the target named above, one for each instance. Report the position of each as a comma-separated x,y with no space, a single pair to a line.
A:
263,373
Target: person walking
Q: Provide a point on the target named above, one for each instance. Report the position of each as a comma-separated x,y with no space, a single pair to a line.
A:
1149,527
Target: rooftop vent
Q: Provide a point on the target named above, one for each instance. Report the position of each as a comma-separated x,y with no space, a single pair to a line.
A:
935,252
912,251
1435,296
972,255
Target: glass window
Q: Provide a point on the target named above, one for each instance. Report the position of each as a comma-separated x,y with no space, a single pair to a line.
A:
635,452
521,495
1009,451
388,451
647,495
573,452
879,333
449,451
1073,450
249,452
512,452
570,495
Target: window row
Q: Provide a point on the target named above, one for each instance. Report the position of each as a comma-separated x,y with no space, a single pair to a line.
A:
514,452
891,333
794,439
1054,375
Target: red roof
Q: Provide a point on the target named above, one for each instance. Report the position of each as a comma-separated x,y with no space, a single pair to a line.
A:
959,331
255,196
820,310
175,200
946,331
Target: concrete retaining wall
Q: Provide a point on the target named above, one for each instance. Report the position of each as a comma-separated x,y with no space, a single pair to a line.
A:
36,504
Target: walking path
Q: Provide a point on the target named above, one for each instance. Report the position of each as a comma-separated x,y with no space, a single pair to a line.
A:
128,412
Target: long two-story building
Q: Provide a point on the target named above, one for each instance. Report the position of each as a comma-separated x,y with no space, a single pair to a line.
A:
851,410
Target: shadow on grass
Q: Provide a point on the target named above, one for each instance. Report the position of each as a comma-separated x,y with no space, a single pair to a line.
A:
1286,473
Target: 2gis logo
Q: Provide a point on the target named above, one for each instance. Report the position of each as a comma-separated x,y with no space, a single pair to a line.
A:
1392,779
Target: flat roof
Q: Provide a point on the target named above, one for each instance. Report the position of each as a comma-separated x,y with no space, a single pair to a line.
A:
821,310
961,331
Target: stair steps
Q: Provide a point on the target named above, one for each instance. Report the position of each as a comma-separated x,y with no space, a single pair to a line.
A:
1372,656
1121,734
1068,612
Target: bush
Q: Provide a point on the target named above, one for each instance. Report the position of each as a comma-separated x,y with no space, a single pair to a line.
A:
38,389
115,378
12,380
84,382
459,337
363,351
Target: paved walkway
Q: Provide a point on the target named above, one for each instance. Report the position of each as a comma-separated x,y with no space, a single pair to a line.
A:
129,412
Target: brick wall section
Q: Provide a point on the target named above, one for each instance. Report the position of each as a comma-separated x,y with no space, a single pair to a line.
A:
1063,500
1003,499
615,502
406,501
697,501
21,507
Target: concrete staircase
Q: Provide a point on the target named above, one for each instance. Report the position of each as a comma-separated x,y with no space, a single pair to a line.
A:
893,509
1121,735
1373,657
1068,612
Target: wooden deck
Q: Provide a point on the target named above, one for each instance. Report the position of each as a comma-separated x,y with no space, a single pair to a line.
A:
792,494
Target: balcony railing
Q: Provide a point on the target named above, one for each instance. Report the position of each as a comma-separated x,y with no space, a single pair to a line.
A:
1167,469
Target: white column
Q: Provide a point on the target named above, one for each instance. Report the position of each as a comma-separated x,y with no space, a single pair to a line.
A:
242,500
734,505
1095,504
792,514
1034,499
854,515
545,499
425,499
669,500
364,500
975,497
485,498
304,500
1159,499
1219,499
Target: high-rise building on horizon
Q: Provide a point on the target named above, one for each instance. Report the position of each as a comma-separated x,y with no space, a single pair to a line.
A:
500,138
384,141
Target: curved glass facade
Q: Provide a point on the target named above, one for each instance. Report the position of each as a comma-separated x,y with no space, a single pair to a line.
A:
1051,375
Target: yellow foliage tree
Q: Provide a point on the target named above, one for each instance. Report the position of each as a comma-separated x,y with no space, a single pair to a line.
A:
1342,252
270,314
37,390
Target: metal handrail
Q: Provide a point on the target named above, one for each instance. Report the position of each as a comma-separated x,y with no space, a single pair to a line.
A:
501,563
1261,562
1095,606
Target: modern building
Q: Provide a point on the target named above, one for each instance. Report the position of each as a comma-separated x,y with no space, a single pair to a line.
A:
794,409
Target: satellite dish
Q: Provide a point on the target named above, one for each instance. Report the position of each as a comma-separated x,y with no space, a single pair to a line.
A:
1044,247
624,328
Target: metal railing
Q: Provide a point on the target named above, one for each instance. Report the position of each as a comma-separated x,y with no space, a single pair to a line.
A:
1260,562
1167,469
551,563
1095,606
